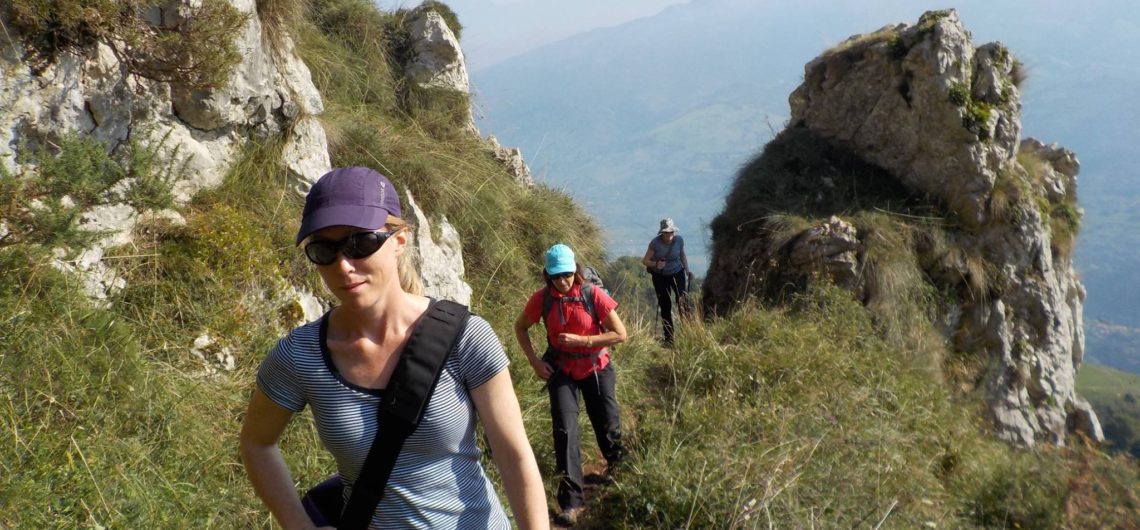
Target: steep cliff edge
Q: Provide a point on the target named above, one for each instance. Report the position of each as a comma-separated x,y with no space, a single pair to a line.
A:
901,176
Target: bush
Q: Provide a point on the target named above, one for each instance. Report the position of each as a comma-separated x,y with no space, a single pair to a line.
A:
198,53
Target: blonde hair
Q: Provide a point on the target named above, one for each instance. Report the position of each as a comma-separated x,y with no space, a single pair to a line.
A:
410,280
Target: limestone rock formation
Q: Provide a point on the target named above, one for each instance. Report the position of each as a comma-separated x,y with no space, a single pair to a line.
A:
436,61
89,91
908,139
512,159
440,262
921,102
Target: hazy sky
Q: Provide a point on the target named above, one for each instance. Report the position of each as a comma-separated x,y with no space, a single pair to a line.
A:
494,30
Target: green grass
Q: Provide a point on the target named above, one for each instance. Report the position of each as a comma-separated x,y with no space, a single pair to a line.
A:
803,416
1115,396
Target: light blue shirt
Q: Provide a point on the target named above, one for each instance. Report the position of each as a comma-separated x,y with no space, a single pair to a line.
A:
670,252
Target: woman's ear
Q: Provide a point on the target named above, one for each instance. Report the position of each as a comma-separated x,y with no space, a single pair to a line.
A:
402,237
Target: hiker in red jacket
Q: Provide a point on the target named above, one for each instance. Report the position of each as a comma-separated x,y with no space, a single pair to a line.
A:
581,321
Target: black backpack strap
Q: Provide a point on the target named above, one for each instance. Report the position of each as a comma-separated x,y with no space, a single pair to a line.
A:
587,293
547,303
403,405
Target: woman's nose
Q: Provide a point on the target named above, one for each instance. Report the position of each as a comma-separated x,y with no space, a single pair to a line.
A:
343,263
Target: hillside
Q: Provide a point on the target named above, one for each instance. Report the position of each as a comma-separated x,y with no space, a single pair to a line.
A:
116,416
670,107
1113,394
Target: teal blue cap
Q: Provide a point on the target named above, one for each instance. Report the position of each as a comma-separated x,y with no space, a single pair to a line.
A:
560,259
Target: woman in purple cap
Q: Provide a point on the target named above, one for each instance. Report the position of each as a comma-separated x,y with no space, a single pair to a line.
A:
341,364
666,261
581,322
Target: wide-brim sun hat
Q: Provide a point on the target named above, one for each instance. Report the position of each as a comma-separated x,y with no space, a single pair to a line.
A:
667,226
560,260
350,196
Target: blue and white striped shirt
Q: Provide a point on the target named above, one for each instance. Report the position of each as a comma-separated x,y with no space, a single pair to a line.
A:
437,481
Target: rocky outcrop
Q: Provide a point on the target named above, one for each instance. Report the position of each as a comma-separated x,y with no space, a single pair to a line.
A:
89,91
436,61
921,102
440,262
908,139
511,158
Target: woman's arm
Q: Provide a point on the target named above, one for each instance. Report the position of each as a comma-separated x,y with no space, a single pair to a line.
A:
647,260
615,335
264,422
498,408
541,368
685,263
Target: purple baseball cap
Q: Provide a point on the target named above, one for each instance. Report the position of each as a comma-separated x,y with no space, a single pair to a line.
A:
349,196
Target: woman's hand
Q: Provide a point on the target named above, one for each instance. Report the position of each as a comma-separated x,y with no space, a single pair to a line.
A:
572,340
541,368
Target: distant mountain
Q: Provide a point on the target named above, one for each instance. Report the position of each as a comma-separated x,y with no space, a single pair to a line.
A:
654,117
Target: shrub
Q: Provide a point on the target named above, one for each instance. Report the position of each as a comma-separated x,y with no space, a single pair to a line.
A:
198,53
960,94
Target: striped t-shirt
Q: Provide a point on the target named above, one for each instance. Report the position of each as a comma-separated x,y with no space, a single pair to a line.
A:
437,481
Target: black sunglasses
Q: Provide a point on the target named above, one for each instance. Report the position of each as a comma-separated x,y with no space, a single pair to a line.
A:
356,246
561,275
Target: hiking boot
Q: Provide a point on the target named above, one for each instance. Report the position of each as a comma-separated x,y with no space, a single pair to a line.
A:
568,517
611,472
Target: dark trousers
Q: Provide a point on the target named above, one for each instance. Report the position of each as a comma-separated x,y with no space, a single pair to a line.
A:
597,391
667,288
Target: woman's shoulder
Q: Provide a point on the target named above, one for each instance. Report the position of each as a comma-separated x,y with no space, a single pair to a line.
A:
480,355
538,294
305,338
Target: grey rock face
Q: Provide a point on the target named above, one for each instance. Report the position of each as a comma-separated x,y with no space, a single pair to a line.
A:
941,117
1058,168
440,262
437,58
90,92
829,250
512,159
921,102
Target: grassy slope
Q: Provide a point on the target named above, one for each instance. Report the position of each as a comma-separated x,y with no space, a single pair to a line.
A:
799,416
1114,395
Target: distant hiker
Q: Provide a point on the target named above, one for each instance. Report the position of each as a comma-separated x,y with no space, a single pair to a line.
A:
666,261
581,321
368,349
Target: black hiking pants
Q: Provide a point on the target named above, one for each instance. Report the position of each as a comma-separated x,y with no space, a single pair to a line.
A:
597,391
669,287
